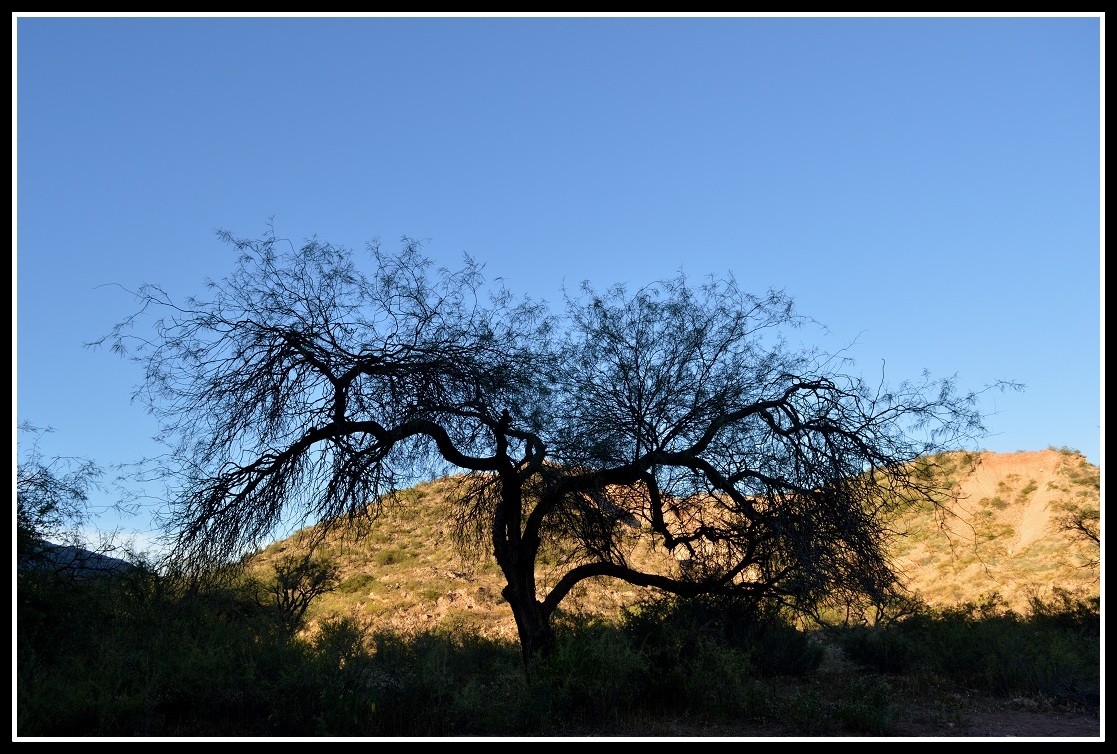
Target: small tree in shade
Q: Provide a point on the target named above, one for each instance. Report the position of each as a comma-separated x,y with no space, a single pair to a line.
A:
317,381
297,582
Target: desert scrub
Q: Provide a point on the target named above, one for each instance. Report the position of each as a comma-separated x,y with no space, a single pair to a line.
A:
1051,651
358,582
866,706
1027,491
392,556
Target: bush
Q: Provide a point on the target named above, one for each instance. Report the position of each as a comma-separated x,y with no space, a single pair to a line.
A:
360,582
1053,651
437,683
891,649
672,629
866,706
593,675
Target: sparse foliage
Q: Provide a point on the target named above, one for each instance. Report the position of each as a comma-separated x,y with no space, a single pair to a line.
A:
1077,517
298,581
1083,524
316,382
52,494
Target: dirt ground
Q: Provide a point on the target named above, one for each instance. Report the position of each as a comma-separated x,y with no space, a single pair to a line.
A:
908,708
1008,723
975,719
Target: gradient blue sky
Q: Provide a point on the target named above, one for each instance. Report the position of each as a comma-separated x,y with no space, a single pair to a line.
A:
927,187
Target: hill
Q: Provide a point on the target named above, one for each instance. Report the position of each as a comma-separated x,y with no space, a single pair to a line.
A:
74,561
1001,530
997,532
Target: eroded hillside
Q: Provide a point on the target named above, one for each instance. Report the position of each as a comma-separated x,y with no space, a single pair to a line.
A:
1000,530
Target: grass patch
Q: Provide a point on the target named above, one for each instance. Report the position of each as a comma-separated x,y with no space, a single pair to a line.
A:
360,582
392,556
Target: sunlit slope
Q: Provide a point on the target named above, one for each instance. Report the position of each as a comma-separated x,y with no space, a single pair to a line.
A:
998,531
1002,529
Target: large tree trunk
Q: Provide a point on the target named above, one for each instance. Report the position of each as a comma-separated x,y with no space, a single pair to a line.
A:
537,637
515,554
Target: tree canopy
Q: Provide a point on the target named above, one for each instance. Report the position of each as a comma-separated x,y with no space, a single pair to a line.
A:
317,381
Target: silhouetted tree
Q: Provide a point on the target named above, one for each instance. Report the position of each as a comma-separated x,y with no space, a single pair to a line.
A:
52,496
298,581
1084,525
317,381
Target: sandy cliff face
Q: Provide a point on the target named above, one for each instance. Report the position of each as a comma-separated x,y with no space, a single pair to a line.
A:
1001,530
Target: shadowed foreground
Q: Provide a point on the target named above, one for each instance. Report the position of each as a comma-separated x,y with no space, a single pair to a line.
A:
141,655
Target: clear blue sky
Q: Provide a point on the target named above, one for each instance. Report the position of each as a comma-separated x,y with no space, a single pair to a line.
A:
928,187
